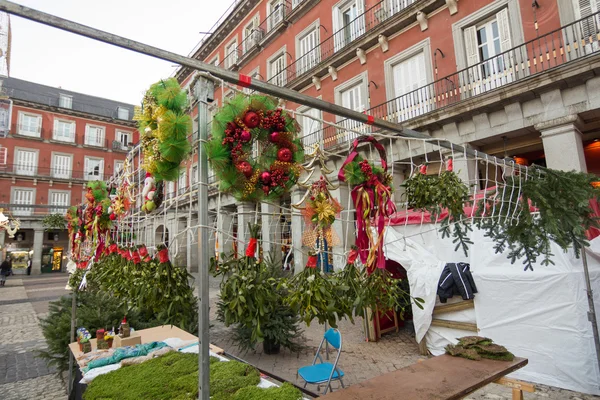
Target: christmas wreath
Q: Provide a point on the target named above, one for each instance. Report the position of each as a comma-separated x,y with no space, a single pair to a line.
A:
254,149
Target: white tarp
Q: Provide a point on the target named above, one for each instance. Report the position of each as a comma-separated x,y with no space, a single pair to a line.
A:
540,315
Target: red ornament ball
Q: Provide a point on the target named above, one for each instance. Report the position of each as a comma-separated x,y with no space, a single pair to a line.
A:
284,155
266,189
265,177
251,119
245,168
245,136
274,137
113,216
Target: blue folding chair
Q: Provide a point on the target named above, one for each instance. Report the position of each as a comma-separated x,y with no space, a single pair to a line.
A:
324,372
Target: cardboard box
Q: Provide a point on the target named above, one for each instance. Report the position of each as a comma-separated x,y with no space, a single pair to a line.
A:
132,340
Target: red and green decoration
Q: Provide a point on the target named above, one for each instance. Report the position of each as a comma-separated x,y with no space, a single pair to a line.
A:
255,122
372,197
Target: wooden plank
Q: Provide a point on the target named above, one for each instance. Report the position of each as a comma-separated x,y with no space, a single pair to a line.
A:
465,326
515,384
461,305
438,378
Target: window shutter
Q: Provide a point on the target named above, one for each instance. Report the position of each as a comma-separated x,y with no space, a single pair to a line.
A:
3,155
586,8
338,36
360,23
504,29
86,167
471,45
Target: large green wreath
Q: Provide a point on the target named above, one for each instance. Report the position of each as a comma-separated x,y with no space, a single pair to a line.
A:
241,123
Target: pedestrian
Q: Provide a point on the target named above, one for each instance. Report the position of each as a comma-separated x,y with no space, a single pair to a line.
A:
29,266
5,270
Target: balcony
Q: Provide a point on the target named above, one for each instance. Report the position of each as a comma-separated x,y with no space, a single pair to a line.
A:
338,43
231,60
275,23
93,141
250,45
554,50
27,170
33,210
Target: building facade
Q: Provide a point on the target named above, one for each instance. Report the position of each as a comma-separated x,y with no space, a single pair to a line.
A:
509,78
53,142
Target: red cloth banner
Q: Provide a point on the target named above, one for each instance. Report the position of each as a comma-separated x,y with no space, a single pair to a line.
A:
251,249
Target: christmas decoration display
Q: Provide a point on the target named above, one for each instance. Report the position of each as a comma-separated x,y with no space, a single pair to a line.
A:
152,193
254,149
164,127
120,195
10,226
372,200
320,208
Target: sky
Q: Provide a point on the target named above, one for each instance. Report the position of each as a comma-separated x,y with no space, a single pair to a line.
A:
49,56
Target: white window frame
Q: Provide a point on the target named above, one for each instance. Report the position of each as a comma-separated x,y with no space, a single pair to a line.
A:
425,96
18,210
361,79
23,132
117,166
91,177
282,77
274,19
55,130
122,110
312,57
316,135
194,174
56,170
118,133
215,61
24,169
182,181
95,141
254,75
65,101
250,40
51,194
231,53
344,34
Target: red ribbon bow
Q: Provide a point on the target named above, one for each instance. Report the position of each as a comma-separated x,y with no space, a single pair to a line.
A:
352,256
251,249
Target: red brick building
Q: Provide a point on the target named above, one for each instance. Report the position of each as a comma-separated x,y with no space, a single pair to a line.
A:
510,78
54,142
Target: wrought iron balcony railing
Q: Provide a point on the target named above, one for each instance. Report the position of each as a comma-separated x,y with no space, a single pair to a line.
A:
555,49
32,210
342,38
28,170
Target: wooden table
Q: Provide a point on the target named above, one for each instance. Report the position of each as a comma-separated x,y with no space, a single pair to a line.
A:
438,378
155,334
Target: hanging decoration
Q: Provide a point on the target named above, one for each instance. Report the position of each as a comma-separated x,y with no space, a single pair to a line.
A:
254,149
372,197
10,226
319,209
120,195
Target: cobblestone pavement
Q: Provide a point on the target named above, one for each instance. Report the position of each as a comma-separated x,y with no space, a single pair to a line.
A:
360,360
23,301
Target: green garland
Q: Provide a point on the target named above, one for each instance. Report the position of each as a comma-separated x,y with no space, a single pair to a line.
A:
356,173
242,124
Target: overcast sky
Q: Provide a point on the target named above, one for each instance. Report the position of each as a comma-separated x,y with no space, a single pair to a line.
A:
53,57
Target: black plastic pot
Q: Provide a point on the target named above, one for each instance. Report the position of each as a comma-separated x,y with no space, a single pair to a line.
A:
270,347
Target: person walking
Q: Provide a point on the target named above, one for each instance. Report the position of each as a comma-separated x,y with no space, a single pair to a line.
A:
29,266
5,270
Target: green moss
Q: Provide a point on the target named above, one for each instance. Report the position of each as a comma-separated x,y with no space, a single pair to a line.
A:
172,376
284,392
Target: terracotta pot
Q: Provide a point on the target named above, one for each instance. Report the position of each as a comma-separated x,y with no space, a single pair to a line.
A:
80,345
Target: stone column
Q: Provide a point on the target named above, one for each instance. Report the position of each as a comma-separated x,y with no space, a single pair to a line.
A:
245,213
225,231
38,244
271,230
563,145
297,229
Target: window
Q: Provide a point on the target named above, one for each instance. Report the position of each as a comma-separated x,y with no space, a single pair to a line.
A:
59,198
64,130
483,44
93,169
170,189
61,166
182,182
348,22
310,129
3,156
30,124
124,138
215,61
231,55
118,166
589,27
395,6
255,75
296,3
251,34
407,76
26,162
65,101
276,14
308,52
123,113
276,69
352,94
194,176
94,135
25,197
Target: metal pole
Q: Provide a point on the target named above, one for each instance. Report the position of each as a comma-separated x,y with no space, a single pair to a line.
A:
226,75
592,310
73,316
204,91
